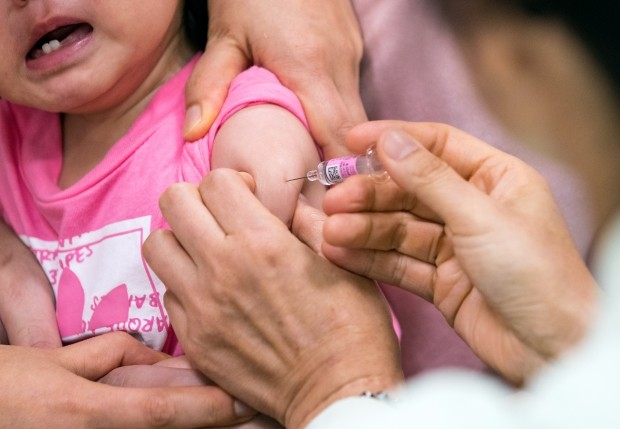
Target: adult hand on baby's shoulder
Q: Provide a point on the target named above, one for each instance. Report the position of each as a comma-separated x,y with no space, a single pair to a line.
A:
314,48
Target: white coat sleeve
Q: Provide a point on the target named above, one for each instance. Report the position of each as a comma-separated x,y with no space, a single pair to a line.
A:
444,400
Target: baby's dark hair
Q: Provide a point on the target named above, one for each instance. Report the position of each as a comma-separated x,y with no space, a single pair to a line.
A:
196,22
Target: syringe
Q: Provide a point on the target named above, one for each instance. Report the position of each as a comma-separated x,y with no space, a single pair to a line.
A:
337,169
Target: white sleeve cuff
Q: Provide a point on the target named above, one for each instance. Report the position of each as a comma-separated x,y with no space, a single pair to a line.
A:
359,412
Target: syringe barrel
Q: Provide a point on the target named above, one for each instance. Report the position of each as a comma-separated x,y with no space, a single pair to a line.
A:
337,169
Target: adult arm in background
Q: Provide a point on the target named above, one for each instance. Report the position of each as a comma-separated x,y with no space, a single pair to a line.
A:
27,312
314,48
55,389
471,229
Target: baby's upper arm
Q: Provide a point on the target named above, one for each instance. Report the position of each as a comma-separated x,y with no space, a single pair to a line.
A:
272,145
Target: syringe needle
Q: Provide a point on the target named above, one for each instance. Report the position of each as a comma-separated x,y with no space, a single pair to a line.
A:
297,178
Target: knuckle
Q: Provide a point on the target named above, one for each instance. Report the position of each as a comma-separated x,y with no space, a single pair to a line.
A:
408,201
314,45
218,178
120,340
432,169
342,128
171,303
399,270
151,242
436,245
431,174
363,231
178,188
372,266
400,232
172,193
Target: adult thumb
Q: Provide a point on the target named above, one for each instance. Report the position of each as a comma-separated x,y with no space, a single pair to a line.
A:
208,85
433,182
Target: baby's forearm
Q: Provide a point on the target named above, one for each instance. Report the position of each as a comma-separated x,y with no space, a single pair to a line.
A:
26,298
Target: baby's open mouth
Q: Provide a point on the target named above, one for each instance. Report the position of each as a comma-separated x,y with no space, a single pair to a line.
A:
61,36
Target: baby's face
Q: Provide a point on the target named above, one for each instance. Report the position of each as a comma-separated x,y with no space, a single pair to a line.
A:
83,56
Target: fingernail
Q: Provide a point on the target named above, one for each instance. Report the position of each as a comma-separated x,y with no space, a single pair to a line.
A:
398,144
243,410
193,115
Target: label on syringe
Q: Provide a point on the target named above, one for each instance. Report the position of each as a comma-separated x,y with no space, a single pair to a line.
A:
339,169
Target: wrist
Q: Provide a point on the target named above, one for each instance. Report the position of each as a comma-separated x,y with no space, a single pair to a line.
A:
568,320
301,417
350,378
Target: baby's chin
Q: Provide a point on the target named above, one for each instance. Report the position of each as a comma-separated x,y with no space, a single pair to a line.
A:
61,102
78,95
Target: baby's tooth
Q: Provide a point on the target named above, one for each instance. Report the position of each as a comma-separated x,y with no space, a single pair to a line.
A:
50,46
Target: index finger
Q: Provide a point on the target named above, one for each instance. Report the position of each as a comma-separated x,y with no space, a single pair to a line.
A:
95,357
174,408
185,212
179,407
229,198
182,199
362,193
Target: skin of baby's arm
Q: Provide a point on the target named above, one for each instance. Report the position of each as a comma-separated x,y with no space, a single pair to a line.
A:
26,299
273,146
